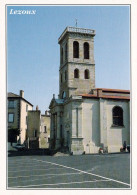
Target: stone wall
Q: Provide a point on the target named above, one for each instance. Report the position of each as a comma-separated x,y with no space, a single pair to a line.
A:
33,125
97,128
76,86
117,135
44,136
91,125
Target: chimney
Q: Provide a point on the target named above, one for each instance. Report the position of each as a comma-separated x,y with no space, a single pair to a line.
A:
22,93
37,108
53,96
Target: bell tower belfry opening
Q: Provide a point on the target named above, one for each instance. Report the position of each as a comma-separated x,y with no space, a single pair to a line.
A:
77,65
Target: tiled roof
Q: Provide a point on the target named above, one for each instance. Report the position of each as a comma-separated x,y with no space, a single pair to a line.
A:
105,96
13,95
114,90
108,94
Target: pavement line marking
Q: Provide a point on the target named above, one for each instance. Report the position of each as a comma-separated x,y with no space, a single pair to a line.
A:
106,156
76,173
77,182
49,177
27,166
33,170
46,175
85,172
25,160
21,163
31,180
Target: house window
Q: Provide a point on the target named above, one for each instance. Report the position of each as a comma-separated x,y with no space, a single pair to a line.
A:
76,73
66,51
26,108
75,49
10,117
35,133
117,116
86,50
11,103
86,74
45,129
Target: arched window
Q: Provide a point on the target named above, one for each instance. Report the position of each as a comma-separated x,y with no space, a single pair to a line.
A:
117,116
76,73
61,55
75,49
86,74
66,51
86,50
64,94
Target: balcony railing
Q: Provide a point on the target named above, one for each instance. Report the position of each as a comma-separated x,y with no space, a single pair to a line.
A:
79,30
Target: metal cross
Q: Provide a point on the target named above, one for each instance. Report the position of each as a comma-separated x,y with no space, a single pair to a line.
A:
76,22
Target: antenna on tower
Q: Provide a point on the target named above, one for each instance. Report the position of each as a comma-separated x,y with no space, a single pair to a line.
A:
76,22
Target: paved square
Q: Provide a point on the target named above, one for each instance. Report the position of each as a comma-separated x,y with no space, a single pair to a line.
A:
84,171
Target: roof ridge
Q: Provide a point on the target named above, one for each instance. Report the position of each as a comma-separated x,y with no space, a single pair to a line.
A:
111,89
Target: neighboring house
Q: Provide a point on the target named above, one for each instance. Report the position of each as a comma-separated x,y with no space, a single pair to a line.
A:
45,130
34,128
17,117
38,129
84,118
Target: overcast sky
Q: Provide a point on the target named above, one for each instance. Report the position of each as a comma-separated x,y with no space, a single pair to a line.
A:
33,56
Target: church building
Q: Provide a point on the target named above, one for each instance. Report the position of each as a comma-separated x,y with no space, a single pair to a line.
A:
84,118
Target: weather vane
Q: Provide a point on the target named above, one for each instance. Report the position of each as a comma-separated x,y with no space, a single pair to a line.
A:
76,22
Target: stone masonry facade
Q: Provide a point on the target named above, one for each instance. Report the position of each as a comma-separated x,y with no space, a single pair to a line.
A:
69,64
84,118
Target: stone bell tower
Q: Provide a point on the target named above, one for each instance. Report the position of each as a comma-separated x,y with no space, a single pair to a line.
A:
77,65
